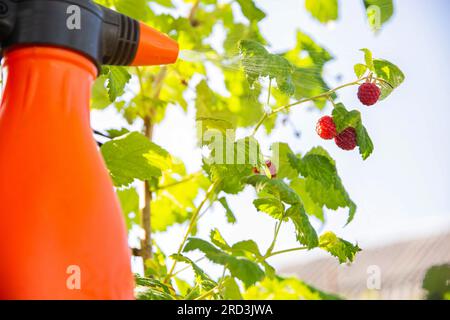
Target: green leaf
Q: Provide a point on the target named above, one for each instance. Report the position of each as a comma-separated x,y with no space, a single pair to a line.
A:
280,158
231,289
274,187
306,234
217,239
129,157
243,269
129,201
378,12
272,206
118,77
309,59
332,196
247,246
436,282
230,163
318,167
390,73
251,11
278,288
202,278
100,98
231,218
364,142
311,207
341,249
344,119
259,63
360,70
137,9
154,289
368,57
323,10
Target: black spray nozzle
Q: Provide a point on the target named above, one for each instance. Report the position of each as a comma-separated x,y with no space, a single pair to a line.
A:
103,35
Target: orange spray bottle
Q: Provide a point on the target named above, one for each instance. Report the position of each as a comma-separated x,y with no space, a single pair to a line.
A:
62,234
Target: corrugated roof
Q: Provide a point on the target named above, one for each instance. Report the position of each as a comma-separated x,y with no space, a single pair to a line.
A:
402,267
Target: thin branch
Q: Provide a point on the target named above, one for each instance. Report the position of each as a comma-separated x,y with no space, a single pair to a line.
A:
286,251
192,224
287,107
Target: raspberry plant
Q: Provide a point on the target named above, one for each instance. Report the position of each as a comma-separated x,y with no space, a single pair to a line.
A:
291,188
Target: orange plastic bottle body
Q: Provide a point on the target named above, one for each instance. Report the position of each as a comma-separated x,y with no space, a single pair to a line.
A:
62,232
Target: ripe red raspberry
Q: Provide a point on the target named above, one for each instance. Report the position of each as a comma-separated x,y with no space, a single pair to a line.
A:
369,93
326,128
346,140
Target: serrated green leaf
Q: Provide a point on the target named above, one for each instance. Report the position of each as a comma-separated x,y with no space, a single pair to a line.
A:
368,57
323,10
230,163
202,278
259,63
311,207
275,187
231,290
126,159
129,201
243,269
272,206
231,218
364,142
333,196
217,239
100,98
306,234
248,246
341,249
280,158
250,10
390,73
344,119
118,77
360,70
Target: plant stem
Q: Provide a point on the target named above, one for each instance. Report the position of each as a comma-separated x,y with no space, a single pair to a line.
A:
192,224
216,288
270,92
187,179
320,96
277,231
285,251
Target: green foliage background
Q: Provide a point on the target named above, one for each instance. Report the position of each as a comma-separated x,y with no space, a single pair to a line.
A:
305,186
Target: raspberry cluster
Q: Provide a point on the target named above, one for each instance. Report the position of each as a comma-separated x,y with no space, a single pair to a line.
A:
369,94
326,129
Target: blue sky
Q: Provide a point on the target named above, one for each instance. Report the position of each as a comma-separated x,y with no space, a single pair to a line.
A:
403,190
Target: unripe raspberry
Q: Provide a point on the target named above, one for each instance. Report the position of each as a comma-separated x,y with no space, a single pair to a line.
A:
272,169
369,93
326,128
346,140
